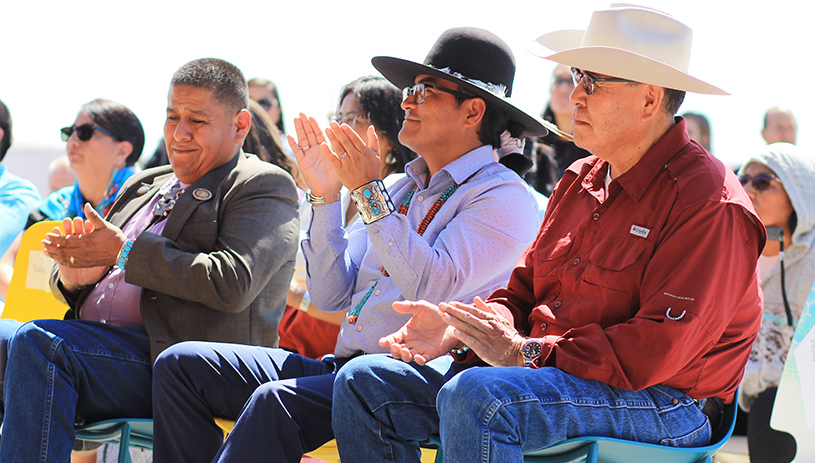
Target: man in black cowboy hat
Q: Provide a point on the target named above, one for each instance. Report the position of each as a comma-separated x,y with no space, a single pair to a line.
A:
630,316
425,237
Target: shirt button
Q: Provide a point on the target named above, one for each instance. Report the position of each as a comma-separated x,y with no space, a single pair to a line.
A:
544,326
153,297
377,292
390,243
359,327
596,216
104,321
111,285
557,304
421,198
576,261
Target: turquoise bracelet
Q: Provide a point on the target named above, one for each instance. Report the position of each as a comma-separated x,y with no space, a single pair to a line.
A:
123,253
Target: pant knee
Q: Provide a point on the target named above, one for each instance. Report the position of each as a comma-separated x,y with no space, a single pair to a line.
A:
173,363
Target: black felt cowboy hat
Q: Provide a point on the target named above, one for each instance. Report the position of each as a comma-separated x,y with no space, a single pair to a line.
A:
475,59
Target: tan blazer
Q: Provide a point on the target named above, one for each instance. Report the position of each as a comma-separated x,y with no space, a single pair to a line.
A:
221,268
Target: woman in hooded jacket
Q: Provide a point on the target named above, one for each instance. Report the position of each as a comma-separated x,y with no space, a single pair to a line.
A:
780,181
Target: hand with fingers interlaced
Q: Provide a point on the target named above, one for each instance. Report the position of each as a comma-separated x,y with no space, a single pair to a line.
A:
435,330
87,249
314,158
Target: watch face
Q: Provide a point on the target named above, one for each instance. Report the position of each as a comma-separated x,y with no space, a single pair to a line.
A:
532,349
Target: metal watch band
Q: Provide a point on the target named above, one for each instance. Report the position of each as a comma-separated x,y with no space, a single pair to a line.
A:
373,201
314,199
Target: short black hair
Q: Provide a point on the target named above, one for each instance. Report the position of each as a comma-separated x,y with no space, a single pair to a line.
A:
5,124
119,120
493,124
222,78
381,102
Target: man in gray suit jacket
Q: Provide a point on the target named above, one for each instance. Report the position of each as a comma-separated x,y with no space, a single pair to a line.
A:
201,250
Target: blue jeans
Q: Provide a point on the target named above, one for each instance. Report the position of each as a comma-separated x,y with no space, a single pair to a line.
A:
7,329
384,408
66,372
281,400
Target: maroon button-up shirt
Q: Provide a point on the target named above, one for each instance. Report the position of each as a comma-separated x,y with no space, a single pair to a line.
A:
654,283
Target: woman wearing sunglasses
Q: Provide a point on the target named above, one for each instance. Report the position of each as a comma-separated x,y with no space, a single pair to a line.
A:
780,181
103,145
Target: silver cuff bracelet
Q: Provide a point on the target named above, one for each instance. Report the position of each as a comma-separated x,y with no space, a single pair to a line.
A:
373,201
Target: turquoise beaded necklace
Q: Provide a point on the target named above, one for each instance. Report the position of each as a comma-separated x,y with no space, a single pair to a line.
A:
353,315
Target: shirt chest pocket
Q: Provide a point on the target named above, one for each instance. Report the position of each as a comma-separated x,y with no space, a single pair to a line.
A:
616,264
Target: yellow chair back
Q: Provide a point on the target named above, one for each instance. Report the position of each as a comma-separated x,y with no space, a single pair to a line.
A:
29,296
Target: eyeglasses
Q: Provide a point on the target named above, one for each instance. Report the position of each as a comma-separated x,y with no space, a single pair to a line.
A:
347,118
589,80
759,182
420,92
84,132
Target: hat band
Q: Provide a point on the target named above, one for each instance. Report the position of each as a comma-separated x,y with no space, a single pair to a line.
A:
499,90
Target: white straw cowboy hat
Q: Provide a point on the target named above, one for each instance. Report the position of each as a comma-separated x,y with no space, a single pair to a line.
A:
475,59
634,43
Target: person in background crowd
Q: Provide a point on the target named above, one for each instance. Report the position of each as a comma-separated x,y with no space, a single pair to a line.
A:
698,129
60,174
552,154
264,91
17,195
780,181
779,126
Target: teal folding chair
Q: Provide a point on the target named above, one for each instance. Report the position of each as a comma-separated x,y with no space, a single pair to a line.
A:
610,450
135,432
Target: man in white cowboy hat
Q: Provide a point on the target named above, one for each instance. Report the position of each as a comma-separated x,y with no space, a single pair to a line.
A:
426,237
630,316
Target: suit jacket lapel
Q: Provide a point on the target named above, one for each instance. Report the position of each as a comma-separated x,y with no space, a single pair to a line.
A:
204,190
134,199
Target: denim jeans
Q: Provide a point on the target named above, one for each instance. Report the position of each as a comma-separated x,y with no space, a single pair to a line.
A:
63,372
384,408
7,329
281,400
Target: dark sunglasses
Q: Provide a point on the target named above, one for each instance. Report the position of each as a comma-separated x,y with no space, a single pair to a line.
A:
267,103
759,182
84,132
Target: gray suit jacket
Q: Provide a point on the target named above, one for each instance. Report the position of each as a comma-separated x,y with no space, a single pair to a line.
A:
221,268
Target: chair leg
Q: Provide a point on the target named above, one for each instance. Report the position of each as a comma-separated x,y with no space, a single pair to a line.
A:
124,445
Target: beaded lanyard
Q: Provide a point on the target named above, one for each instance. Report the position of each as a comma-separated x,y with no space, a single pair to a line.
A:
403,209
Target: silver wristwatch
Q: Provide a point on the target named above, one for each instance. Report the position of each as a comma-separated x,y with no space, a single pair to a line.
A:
314,199
531,350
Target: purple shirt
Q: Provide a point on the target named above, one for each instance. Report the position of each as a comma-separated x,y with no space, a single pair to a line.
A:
113,300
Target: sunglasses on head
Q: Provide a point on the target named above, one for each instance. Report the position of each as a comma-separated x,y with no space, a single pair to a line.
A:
759,182
84,132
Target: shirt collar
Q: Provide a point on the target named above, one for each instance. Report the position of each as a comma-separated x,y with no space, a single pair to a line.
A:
638,178
459,170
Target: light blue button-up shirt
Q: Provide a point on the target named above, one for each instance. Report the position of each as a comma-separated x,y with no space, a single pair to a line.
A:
468,250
